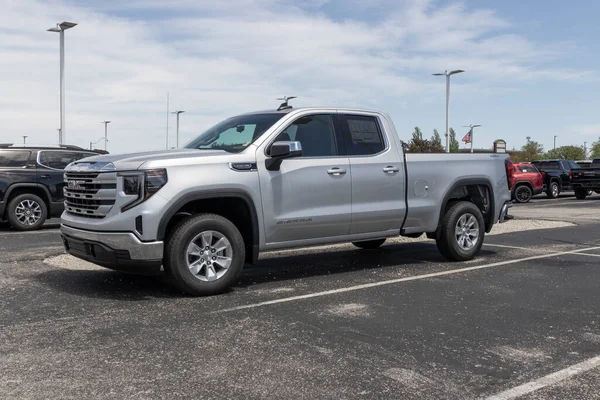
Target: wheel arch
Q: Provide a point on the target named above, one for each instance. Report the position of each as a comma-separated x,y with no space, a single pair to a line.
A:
469,189
23,188
222,203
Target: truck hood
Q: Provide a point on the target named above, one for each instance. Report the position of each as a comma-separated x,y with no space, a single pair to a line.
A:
133,161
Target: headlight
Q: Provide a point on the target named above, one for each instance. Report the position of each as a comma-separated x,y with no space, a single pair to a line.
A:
143,184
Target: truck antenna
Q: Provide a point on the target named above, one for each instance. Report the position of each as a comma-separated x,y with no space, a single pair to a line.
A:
284,105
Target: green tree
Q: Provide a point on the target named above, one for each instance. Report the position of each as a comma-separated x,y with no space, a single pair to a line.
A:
437,140
419,145
530,151
567,153
453,142
595,150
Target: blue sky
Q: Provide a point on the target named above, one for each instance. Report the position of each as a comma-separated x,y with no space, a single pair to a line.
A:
531,66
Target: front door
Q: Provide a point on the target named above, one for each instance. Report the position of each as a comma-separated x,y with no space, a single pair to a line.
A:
310,196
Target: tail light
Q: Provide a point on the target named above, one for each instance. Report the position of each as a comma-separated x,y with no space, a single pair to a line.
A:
570,174
510,173
543,176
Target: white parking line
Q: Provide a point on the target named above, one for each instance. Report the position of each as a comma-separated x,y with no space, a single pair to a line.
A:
548,380
504,246
393,281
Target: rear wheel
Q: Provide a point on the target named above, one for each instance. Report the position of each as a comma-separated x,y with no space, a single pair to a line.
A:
26,212
553,190
581,194
523,194
369,244
462,232
204,254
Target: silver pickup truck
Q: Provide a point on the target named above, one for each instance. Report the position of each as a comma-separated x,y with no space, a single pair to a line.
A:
276,180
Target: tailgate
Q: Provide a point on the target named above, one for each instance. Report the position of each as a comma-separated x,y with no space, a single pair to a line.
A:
586,177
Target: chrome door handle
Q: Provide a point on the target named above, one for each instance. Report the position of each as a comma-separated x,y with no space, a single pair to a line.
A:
391,170
336,171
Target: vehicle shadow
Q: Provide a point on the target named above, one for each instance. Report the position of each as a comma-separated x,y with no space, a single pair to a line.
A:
410,257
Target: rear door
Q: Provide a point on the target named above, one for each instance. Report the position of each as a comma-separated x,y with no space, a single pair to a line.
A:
378,181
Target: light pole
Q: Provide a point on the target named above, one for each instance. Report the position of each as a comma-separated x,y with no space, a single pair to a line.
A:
471,132
59,137
105,133
177,140
24,137
97,141
447,74
61,28
585,150
555,141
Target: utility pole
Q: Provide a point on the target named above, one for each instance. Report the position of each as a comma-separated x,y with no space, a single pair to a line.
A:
105,133
447,74
177,113
61,28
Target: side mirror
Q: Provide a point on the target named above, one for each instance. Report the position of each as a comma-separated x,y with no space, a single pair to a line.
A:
280,151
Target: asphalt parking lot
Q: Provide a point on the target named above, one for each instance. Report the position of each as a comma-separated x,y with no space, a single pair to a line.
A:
328,323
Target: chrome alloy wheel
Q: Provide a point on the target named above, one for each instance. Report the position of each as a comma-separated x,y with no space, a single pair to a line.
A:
467,231
554,190
209,256
28,212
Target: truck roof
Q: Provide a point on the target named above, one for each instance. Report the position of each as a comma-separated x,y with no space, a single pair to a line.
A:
287,110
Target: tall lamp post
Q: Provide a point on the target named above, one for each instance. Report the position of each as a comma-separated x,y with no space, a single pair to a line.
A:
105,133
555,141
24,137
447,74
97,141
177,113
61,28
471,132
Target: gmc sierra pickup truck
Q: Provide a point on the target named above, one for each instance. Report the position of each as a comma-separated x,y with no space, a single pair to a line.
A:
276,180
585,181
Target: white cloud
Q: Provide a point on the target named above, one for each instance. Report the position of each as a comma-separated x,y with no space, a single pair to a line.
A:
219,58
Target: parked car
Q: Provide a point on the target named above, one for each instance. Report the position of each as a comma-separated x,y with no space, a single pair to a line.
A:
276,180
556,175
586,180
584,163
526,182
31,183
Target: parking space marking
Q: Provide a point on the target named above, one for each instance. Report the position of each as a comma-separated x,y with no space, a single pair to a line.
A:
44,231
574,202
407,279
504,246
548,380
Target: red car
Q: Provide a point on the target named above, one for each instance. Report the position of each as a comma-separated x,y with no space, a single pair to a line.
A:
525,182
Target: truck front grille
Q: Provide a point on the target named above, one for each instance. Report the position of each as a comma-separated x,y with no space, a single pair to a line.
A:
90,194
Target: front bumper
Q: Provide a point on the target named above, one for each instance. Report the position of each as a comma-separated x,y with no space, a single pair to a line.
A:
120,251
504,212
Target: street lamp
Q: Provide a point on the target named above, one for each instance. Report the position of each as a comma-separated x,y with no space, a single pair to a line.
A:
447,74
105,133
97,141
61,28
471,133
177,140
555,141
24,137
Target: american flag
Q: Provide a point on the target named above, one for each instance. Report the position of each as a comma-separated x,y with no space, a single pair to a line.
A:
467,137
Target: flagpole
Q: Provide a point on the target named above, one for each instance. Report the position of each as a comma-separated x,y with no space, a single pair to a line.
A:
471,140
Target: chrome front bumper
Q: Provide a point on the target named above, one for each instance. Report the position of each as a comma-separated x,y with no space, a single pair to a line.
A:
137,249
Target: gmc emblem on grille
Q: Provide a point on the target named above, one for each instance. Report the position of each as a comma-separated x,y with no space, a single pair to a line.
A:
75,184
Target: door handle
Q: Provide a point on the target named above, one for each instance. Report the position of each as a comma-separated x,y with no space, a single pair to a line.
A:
390,169
336,171
44,176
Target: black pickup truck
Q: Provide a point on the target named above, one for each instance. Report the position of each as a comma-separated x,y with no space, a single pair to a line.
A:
586,180
556,175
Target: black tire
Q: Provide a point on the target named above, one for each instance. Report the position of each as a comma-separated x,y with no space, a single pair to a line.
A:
581,194
176,255
447,241
523,194
369,244
17,210
553,190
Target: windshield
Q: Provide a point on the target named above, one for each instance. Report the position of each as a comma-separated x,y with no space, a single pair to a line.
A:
236,133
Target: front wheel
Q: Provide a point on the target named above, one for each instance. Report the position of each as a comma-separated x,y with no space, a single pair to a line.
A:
462,232
581,194
523,194
369,244
553,190
26,212
204,254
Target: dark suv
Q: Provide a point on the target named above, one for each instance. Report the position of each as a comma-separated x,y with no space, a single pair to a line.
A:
556,175
31,183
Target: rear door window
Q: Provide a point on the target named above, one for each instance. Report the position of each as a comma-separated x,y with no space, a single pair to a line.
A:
548,165
59,159
14,158
362,134
527,168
